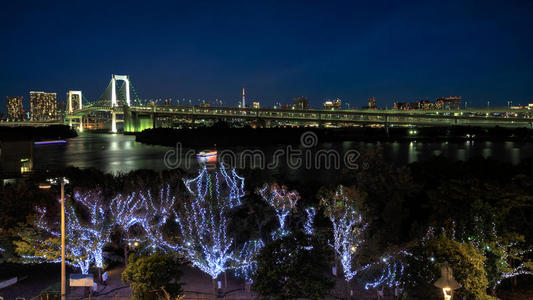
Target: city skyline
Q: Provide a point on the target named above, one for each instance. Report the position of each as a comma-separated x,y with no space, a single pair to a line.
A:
390,51
418,103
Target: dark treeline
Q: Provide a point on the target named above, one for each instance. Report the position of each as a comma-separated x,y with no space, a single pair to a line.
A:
403,200
415,184
28,133
222,134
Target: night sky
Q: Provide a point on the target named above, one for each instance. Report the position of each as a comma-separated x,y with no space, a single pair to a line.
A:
395,50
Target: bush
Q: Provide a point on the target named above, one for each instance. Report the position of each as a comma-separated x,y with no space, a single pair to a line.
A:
153,277
465,260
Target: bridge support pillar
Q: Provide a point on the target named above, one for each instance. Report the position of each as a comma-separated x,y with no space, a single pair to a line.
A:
387,125
137,122
320,122
113,122
70,122
81,124
129,124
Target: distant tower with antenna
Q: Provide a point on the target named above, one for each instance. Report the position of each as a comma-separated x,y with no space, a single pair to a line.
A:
243,104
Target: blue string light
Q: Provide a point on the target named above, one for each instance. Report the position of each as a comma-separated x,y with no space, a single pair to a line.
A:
203,220
310,216
85,239
283,202
348,228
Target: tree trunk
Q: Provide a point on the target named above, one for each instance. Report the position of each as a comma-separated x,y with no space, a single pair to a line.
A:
214,288
126,255
226,279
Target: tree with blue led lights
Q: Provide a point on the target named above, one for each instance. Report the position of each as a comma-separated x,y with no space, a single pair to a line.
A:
341,207
203,220
283,202
127,211
88,225
159,207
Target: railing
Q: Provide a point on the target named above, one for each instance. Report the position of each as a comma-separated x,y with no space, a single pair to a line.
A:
495,116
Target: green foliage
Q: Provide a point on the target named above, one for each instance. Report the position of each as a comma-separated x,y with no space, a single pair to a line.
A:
295,266
483,215
34,248
42,242
467,263
152,277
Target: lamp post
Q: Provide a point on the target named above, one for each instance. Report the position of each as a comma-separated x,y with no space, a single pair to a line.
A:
446,281
62,181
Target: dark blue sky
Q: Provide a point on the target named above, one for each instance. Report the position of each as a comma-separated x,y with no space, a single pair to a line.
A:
393,50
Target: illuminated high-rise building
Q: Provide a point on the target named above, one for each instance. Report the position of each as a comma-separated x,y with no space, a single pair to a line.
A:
256,105
15,111
300,103
43,106
243,104
333,105
372,103
449,103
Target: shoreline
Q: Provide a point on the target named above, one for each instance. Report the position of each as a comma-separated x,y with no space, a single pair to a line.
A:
230,137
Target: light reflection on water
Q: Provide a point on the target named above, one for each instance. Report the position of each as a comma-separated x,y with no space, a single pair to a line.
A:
114,153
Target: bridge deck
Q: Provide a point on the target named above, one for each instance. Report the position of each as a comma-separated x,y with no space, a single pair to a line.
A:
482,117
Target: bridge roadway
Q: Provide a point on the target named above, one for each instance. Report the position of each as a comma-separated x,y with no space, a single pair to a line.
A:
473,117
30,123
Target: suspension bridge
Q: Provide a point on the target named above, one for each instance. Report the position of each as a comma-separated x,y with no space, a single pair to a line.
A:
117,101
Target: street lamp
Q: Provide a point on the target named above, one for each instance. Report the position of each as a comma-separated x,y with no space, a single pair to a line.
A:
62,181
446,281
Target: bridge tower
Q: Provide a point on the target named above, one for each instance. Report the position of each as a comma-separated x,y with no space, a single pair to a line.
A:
114,103
126,80
75,104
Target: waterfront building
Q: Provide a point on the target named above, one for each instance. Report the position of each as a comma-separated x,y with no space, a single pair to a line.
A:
372,103
43,106
449,103
401,105
15,110
300,103
333,105
444,103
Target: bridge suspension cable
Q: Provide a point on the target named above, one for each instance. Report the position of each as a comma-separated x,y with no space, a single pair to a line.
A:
137,99
105,97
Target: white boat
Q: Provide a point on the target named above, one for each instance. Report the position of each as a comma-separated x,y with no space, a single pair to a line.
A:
207,156
206,153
